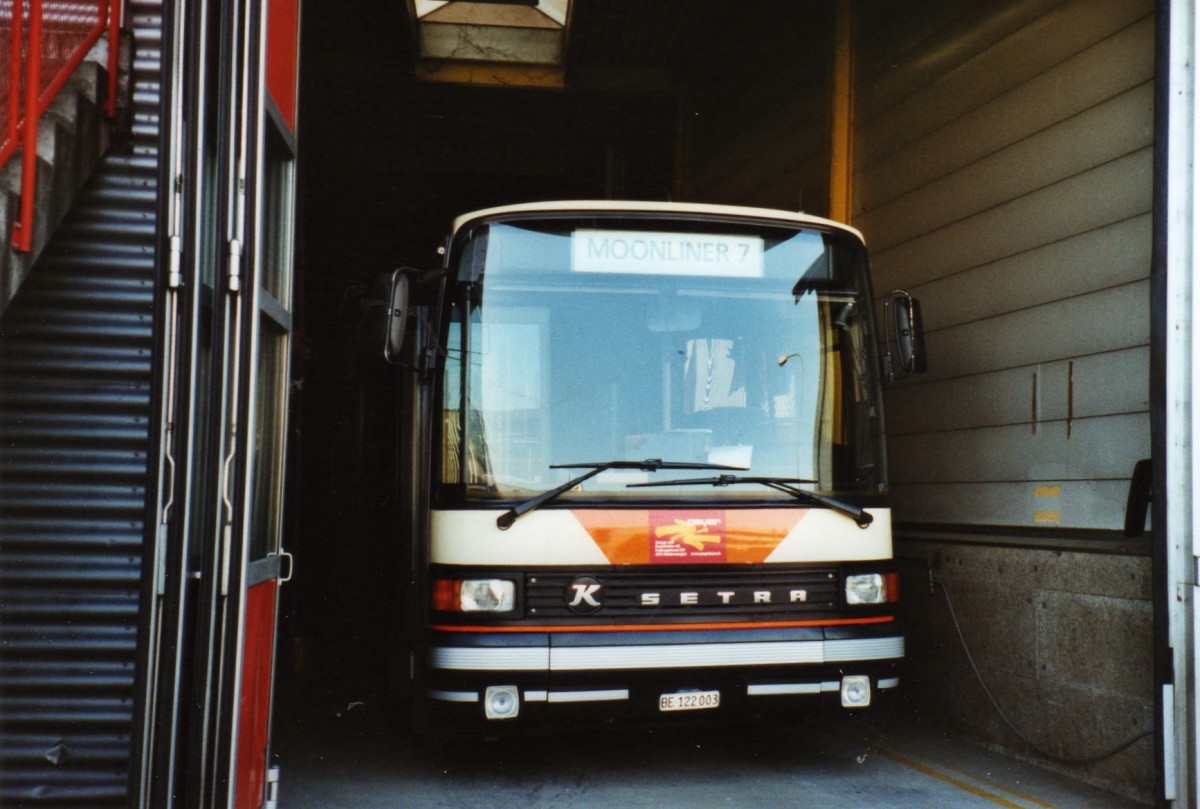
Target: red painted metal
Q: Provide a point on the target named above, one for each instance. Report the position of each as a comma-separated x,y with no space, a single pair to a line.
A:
12,92
22,237
46,45
283,32
254,700
115,7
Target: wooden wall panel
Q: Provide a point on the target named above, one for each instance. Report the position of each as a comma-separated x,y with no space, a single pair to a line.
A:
1107,131
1103,448
906,51
1106,384
1102,321
1003,173
1074,86
1081,504
969,79
1108,193
1115,254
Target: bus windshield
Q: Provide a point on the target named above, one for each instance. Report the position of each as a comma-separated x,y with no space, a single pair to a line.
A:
592,340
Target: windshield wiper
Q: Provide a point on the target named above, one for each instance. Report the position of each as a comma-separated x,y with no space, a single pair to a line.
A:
505,520
861,518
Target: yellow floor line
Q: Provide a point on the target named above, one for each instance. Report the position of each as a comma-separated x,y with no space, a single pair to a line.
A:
938,772
949,779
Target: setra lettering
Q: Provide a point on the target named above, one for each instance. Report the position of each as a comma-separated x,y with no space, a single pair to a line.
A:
689,598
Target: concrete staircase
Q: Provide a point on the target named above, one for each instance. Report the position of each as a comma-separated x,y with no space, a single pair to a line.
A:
72,137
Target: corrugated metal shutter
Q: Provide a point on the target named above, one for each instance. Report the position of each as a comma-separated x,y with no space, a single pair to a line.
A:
75,405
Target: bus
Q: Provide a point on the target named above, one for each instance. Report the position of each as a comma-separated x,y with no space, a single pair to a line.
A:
649,478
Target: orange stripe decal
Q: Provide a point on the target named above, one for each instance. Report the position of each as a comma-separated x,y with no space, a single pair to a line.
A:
623,535
752,535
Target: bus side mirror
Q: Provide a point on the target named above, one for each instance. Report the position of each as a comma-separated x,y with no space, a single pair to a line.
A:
904,331
397,317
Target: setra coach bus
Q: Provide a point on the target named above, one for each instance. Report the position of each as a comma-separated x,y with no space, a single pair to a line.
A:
648,464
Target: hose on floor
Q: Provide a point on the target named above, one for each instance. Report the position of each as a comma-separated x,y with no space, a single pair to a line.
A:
1004,716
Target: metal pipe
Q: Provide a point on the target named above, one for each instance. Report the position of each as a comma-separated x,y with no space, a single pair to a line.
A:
14,82
23,227
47,94
115,9
23,129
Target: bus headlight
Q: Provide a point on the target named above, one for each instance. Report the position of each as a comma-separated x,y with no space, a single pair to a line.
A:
872,588
474,595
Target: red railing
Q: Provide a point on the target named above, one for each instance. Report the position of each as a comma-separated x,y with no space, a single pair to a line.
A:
41,44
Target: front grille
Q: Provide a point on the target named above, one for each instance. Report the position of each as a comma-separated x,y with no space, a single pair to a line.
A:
658,593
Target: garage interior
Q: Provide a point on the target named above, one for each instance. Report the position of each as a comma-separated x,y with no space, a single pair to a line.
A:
1000,160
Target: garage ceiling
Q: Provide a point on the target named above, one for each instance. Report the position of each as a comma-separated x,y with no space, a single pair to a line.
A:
632,45
387,156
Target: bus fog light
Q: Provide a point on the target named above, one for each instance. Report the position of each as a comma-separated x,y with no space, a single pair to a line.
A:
501,702
856,691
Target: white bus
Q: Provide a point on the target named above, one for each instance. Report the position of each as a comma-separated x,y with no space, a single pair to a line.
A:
651,465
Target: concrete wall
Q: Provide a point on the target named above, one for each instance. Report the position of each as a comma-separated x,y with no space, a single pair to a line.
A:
1003,174
1062,639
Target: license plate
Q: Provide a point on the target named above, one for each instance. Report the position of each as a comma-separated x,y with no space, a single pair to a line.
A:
689,701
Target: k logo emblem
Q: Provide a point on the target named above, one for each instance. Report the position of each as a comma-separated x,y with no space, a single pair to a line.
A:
584,595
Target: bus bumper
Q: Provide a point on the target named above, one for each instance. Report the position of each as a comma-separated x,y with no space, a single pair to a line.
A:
520,678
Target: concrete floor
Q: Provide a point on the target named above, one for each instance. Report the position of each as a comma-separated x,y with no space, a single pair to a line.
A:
337,751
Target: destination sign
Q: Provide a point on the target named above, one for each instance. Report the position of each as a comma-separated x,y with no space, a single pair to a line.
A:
640,252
